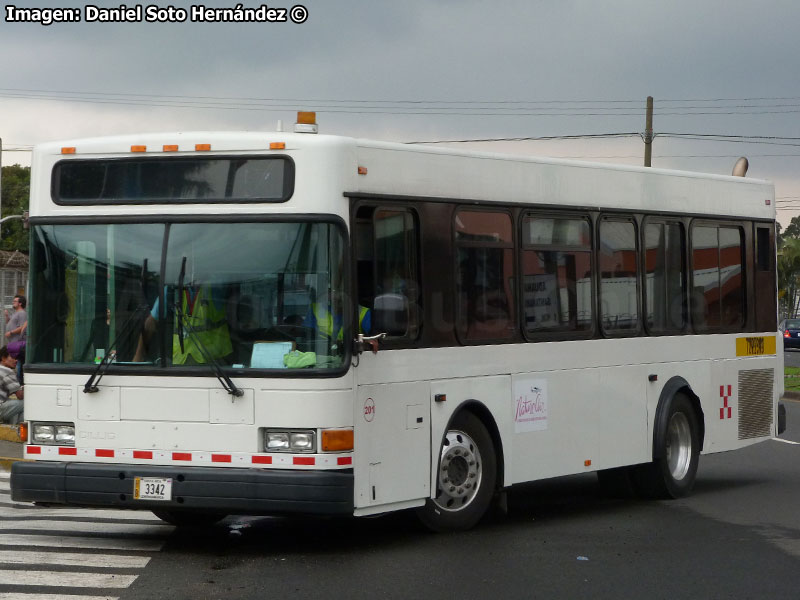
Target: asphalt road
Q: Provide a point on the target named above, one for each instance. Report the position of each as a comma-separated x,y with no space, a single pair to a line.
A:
737,536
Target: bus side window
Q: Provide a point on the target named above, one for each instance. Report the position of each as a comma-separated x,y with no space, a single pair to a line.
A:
387,269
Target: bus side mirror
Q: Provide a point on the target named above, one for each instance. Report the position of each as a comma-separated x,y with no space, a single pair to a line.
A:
391,315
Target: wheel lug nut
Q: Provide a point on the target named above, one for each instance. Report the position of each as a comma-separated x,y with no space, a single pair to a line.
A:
452,488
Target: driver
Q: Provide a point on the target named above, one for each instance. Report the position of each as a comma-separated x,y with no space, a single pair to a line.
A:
205,314
327,318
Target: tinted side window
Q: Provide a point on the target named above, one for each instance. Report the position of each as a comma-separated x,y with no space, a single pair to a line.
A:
718,287
556,274
619,270
664,278
484,275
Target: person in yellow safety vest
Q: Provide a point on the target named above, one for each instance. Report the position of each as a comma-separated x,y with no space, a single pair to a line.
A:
328,324
205,315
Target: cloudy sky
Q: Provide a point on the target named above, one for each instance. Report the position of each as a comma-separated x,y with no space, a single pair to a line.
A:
431,71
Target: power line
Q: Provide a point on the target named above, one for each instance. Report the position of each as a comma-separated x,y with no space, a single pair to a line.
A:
401,107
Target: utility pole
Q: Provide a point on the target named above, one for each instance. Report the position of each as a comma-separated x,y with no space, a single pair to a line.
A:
648,133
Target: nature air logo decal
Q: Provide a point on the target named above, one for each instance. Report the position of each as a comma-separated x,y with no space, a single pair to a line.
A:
530,405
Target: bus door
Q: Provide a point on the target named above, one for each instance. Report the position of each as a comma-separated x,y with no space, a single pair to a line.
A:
392,411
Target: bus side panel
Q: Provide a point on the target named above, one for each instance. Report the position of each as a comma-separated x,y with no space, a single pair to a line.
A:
740,406
392,445
578,420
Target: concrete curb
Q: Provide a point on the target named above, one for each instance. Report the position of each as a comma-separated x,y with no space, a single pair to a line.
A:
10,433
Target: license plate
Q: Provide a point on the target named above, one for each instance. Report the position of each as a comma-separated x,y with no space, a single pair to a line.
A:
152,488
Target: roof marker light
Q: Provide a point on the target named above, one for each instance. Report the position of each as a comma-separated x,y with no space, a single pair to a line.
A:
277,146
362,170
170,147
68,150
202,147
138,148
306,122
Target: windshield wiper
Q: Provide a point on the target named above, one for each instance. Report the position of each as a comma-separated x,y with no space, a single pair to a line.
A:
180,302
226,381
91,384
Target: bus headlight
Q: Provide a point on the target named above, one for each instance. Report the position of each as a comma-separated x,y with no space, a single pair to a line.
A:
62,434
284,440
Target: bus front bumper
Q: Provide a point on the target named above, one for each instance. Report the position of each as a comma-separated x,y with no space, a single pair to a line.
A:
223,490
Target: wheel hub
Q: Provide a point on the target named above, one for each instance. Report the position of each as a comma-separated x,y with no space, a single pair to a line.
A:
679,446
460,469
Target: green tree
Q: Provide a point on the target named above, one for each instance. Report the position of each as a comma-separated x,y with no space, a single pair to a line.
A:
788,275
15,192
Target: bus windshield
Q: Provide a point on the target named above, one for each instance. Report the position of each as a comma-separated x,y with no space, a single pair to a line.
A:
244,295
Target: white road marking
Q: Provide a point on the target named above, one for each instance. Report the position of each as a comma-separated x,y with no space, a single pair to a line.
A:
98,543
52,526
30,510
786,441
64,579
115,561
16,596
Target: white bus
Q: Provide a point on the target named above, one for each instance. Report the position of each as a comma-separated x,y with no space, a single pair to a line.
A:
273,323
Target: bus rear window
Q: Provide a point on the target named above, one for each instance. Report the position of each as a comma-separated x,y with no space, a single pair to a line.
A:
177,180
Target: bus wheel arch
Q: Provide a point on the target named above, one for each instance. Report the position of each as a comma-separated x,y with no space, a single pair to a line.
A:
678,432
468,470
676,385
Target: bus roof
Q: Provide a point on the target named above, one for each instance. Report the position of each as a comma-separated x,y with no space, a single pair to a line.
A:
418,170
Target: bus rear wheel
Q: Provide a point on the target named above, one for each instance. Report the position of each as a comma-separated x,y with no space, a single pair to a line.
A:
672,474
181,518
465,478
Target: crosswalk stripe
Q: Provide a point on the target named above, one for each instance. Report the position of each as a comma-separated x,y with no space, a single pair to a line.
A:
94,543
84,527
116,561
23,596
65,579
29,510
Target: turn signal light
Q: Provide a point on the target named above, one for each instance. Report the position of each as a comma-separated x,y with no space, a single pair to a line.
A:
23,432
337,440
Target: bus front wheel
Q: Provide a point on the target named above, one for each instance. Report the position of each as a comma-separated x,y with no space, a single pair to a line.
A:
465,478
672,473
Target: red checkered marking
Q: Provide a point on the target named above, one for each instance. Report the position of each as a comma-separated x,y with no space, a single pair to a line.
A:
725,412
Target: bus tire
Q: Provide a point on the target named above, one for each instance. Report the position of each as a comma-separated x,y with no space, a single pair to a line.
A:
465,479
185,518
674,468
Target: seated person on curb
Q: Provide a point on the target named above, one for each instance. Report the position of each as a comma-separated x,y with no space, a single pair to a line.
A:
10,408
205,314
